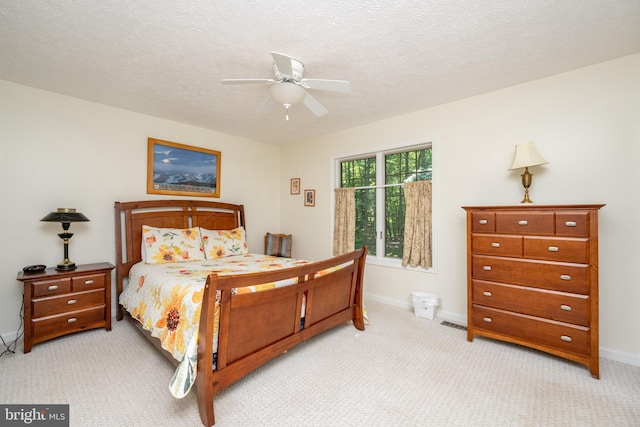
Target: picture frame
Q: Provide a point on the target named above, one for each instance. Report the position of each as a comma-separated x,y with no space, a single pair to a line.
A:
310,198
182,170
294,187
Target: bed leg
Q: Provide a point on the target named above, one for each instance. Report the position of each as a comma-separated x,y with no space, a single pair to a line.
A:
358,319
205,406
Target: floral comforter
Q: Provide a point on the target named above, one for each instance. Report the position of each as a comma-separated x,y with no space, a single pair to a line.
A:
166,299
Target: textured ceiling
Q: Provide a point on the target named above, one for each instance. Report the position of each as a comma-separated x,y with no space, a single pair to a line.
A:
166,57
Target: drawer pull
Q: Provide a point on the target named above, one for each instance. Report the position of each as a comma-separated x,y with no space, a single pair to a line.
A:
72,301
73,319
487,319
486,267
495,245
52,287
565,307
487,293
88,282
565,338
483,222
570,223
553,249
523,222
565,277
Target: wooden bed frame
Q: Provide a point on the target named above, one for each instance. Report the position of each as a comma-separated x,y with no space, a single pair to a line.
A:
254,327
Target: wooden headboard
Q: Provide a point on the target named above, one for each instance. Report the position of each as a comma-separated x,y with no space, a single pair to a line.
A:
131,216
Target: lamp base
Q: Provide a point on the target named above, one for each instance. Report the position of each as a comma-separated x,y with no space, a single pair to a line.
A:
66,266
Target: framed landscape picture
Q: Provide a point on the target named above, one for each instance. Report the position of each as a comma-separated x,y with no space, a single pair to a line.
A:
182,170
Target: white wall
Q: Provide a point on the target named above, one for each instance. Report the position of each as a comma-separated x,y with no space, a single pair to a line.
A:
57,151
586,123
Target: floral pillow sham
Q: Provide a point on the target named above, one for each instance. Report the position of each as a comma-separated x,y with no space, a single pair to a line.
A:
164,245
223,243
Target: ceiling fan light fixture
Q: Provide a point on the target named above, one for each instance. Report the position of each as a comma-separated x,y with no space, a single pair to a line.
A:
287,93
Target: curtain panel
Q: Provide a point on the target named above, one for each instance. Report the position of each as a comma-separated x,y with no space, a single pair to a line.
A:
417,225
344,228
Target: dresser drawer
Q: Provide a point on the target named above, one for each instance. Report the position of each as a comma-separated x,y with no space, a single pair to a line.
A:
51,287
497,244
83,283
572,223
557,249
535,222
66,303
558,335
483,222
563,277
60,324
570,308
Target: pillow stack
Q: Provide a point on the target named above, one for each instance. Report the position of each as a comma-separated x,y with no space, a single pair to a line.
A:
165,245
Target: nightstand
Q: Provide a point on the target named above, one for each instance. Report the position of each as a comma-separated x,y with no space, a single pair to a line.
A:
57,303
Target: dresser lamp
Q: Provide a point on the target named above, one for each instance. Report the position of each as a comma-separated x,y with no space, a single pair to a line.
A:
65,216
526,156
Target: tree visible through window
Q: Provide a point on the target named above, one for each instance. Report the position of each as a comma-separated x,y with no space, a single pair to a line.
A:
380,205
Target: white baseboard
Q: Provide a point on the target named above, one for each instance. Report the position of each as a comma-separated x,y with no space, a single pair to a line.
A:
462,320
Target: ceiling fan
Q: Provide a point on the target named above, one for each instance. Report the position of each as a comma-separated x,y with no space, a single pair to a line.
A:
289,86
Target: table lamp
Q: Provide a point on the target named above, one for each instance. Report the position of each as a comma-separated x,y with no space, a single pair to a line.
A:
65,216
526,156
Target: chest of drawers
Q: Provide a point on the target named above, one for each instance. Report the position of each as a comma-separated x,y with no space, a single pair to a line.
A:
58,303
532,278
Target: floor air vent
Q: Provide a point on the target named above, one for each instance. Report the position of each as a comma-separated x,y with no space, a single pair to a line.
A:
453,325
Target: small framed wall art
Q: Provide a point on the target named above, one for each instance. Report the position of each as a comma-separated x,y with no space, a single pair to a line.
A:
309,197
182,170
295,186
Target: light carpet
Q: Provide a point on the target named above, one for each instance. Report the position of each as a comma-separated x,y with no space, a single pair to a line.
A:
401,371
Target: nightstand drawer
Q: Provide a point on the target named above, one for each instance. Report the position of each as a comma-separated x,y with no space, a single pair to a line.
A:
570,308
66,303
83,283
558,335
51,287
60,324
497,244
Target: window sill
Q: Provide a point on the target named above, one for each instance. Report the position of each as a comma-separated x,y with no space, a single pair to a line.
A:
396,263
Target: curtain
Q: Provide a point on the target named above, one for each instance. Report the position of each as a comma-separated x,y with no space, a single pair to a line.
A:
344,228
417,224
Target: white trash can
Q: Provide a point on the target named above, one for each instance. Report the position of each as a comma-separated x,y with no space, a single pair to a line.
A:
424,304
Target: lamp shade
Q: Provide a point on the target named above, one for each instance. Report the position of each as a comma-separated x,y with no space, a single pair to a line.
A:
287,93
527,155
65,215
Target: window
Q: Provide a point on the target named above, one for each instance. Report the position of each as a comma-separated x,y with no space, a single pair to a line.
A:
380,205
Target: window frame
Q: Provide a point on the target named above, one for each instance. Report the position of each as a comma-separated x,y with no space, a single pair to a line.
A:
379,153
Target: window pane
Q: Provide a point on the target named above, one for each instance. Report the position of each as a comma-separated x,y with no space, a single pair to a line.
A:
362,173
401,167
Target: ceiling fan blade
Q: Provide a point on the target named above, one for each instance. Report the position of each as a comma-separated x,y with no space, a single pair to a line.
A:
283,62
266,106
247,81
341,86
313,105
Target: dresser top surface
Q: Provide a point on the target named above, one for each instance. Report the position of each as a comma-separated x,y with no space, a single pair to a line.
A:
532,206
